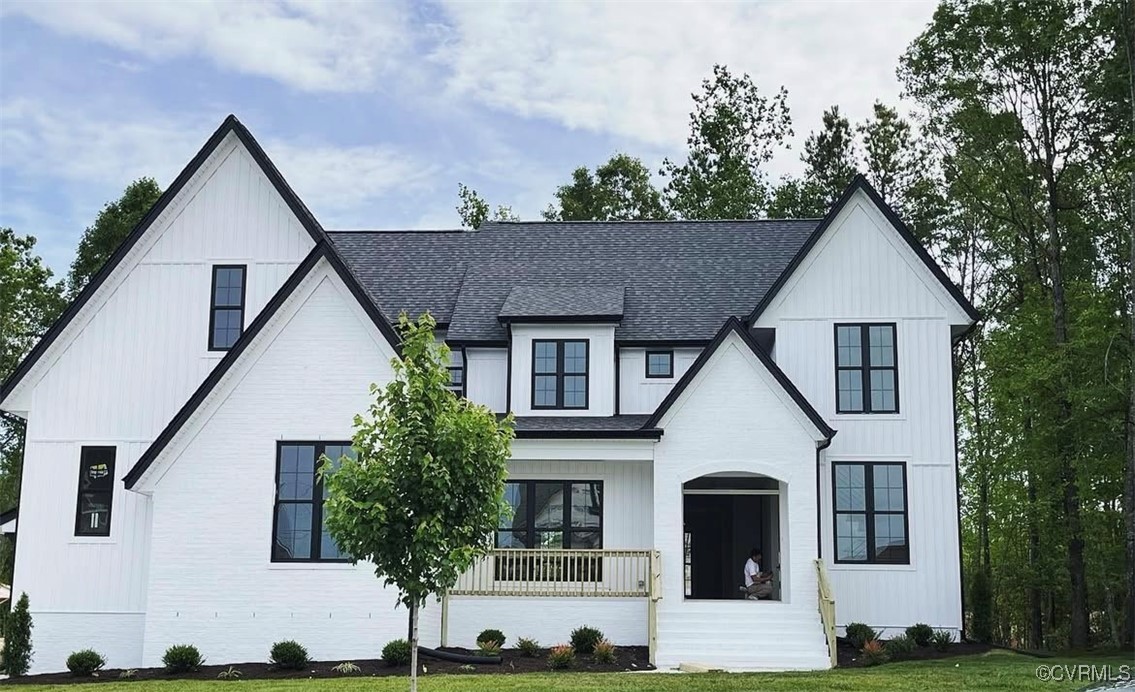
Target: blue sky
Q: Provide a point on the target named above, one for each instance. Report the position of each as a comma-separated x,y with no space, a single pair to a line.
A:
374,112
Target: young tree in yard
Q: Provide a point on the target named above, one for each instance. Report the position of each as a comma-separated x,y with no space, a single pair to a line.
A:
426,492
113,224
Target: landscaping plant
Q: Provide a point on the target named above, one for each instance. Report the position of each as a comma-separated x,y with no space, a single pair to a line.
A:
289,655
528,647
921,633
604,651
18,639
900,646
229,674
491,635
942,640
874,653
584,639
859,634
182,658
561,656
85,662
488,648
347,668
396,652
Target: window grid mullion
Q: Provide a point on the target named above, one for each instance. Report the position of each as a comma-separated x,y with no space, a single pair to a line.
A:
865,365
560,374
317,506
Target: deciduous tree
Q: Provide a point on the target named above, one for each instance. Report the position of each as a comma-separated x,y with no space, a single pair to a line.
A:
619,190
110,228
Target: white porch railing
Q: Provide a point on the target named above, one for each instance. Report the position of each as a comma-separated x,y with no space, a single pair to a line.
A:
827,608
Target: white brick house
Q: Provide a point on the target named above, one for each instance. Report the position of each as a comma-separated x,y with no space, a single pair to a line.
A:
678,387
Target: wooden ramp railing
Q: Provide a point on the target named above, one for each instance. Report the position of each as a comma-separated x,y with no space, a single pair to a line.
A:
827,608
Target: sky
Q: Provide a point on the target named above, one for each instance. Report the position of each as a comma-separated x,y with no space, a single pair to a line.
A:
374,111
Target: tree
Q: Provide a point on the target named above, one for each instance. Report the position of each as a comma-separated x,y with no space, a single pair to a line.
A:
474,210
110,228
18,639
734,132
620,190
830,157
426,492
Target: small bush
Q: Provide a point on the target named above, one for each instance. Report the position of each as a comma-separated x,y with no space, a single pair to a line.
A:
396,653
584,639
289,655
920,633
900,646
561,657
468,668
182,658
528,647
488,648
942,639
230,674
128,674
604,651
874,653
859,634
18,639
491,635
85,662
347,668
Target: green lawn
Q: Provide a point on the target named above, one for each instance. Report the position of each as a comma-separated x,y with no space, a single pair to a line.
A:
997,670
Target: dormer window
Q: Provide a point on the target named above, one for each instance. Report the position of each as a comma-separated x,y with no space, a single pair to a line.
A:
659,364
559,373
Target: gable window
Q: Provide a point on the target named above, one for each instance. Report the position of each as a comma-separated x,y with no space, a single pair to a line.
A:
96,491
659,364
226,309
867,379
559,373
870,513
551,515
299,532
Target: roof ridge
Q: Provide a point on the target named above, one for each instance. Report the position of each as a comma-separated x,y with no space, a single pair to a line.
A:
347,231
645,221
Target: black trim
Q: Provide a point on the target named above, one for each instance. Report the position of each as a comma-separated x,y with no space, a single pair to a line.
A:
561,374
84,464
618,386
508,374
559,319
230,124
477,343
734,325
10,514
550,566
669,374
869,512
566,527
320,251
213,307
860,183
865,367
638,434
662,343
316,501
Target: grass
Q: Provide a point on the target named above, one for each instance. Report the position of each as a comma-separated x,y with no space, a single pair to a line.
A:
997,670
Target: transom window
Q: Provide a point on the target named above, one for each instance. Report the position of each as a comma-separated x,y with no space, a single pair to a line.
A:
870,513
659,363
96,491
867,379
559,373
299,531
226,310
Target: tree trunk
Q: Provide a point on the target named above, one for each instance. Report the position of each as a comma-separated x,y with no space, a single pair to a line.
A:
414,648
1129,484
1035,636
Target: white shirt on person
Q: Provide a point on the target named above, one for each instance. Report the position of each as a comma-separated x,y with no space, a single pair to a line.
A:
752,569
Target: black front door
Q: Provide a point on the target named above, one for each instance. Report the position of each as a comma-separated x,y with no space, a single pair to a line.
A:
708,521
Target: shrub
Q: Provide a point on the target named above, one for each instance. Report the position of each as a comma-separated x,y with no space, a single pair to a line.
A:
128,674
289,655
561,656
528,647
604,651
182,658
488,648
85,662
859,634
900,646
584,639
468,668
18,639
874,653
230,674
396,653
920,633
491,635
347,668
942,639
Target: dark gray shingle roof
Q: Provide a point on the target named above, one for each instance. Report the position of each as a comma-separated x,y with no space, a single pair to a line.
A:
562,301
681,279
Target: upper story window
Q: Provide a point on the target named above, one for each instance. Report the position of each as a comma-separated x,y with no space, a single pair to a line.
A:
96,491
226,309
299,533
867,379
659,363
870,512
456,380
559,373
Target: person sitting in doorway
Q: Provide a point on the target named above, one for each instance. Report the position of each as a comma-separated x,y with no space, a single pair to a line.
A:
758,584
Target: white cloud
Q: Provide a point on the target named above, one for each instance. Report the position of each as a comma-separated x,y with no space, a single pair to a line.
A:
343,46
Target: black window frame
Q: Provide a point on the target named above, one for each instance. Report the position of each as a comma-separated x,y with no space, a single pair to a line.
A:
316,507
865,368
669,359
559,374
551,567
84,464
213,307
869,512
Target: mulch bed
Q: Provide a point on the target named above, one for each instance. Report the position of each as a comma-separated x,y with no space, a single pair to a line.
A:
626,658
850,657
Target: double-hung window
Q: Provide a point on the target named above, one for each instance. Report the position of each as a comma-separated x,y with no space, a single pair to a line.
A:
551,515
870,513
559,373
226,308
299,532
866,368
96,491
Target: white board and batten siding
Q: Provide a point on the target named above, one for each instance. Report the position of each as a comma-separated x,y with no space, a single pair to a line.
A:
639,394
863,271
116,376
486,377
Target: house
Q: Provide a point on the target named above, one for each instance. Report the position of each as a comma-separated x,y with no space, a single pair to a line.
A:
684,391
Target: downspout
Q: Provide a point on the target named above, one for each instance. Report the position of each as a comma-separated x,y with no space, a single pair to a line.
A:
819,508
616,379
508,387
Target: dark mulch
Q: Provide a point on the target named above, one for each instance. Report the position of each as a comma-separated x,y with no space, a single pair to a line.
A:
849,657
626,658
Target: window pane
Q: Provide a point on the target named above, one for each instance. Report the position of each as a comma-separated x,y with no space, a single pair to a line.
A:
512,539
549,501
226,327
575,391
297,472
328,548
888,488
850,488
456,375
890,538
586,505
882,390
516,495
545,356
882,341
545,394
589,540
850,390
849,346
851,537
549,539
659,364
94,512
575,356
293,531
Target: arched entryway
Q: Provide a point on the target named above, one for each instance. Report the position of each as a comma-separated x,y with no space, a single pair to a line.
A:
725,516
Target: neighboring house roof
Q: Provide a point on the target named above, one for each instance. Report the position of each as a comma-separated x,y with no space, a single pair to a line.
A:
590,427
735,326
230,124
560,303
